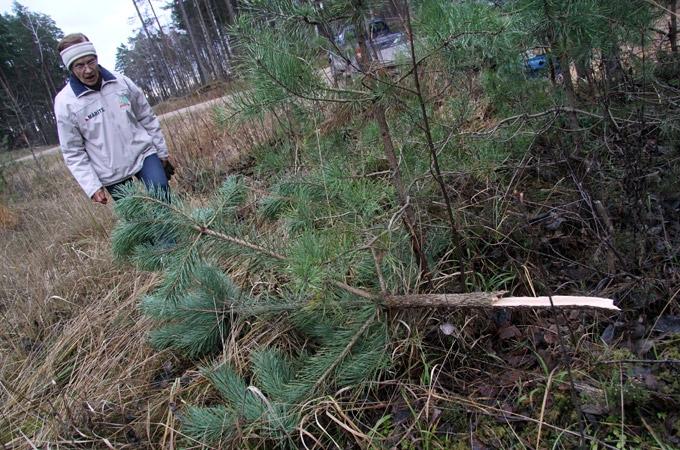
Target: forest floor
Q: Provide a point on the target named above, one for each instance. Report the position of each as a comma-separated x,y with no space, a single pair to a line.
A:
77,370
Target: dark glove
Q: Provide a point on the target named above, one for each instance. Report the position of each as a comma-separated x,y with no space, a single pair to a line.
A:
168,168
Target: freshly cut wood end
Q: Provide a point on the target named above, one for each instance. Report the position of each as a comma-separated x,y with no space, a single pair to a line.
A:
559,301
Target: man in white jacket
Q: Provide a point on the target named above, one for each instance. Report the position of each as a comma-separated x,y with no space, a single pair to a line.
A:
108,132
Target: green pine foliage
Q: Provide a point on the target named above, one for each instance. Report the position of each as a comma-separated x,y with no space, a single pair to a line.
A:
196,303
279,71
198,322
209,424
362,361
269,405
272,371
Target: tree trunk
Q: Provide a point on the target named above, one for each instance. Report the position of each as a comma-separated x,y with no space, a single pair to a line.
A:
39,124
50,89
187,61
565,65
167,51
458,241
409,216
611,61
162,64
220,37
202,72
231,11
208,42
20,117
673,26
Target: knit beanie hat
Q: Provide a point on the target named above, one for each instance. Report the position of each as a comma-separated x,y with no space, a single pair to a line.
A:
70,54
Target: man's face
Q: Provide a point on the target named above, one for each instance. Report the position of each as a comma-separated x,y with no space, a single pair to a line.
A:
86,70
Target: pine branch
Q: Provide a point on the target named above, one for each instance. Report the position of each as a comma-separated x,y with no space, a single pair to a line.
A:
234,240
208,424
294,93
273,372
235,391
474,299
182,270
345,352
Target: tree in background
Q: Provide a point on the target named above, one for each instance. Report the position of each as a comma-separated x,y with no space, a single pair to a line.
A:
193,50
30,77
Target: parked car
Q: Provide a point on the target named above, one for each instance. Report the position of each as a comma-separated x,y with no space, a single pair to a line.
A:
384,44
536,63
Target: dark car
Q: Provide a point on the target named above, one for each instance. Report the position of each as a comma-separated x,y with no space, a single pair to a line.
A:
383,43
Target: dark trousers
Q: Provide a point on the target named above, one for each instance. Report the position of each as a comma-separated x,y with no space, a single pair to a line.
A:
152,175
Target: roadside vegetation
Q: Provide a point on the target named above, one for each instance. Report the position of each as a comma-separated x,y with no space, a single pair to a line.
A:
308,214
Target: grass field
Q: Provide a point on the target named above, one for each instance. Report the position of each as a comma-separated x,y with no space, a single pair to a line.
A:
75,365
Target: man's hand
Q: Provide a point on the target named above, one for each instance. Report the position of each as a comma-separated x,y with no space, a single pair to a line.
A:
100,196
168,168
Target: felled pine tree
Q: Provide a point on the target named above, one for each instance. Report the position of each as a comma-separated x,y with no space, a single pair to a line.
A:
197,301
338,230
315,248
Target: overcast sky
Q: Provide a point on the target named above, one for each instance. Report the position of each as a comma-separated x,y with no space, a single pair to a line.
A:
107,23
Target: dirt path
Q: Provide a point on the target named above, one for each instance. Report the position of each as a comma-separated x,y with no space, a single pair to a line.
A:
188,109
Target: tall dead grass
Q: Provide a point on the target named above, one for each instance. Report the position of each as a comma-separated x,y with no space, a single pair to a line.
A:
205,153
72,335
76,370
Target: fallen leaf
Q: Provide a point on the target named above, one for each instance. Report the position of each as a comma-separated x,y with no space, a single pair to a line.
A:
508,332
447,328
668,324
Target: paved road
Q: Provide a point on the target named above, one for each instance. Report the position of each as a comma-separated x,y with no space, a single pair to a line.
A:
192,108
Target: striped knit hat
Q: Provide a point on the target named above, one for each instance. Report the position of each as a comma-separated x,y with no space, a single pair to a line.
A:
70,54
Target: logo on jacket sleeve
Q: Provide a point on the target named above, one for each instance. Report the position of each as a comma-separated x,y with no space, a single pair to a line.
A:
94,114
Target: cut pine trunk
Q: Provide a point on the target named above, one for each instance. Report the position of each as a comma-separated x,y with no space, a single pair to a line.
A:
495,300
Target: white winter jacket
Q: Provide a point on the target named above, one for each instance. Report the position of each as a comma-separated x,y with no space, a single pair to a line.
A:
105,135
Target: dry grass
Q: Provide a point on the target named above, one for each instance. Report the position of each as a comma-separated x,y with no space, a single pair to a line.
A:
8,219
73,336
204,153
210,91
76,370
7,156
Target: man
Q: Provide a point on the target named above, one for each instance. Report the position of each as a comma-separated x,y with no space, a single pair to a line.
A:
107,130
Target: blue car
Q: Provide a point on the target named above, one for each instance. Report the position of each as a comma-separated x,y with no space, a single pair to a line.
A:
537,65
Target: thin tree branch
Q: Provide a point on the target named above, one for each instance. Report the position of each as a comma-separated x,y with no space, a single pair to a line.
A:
298,94
523,117
434,162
